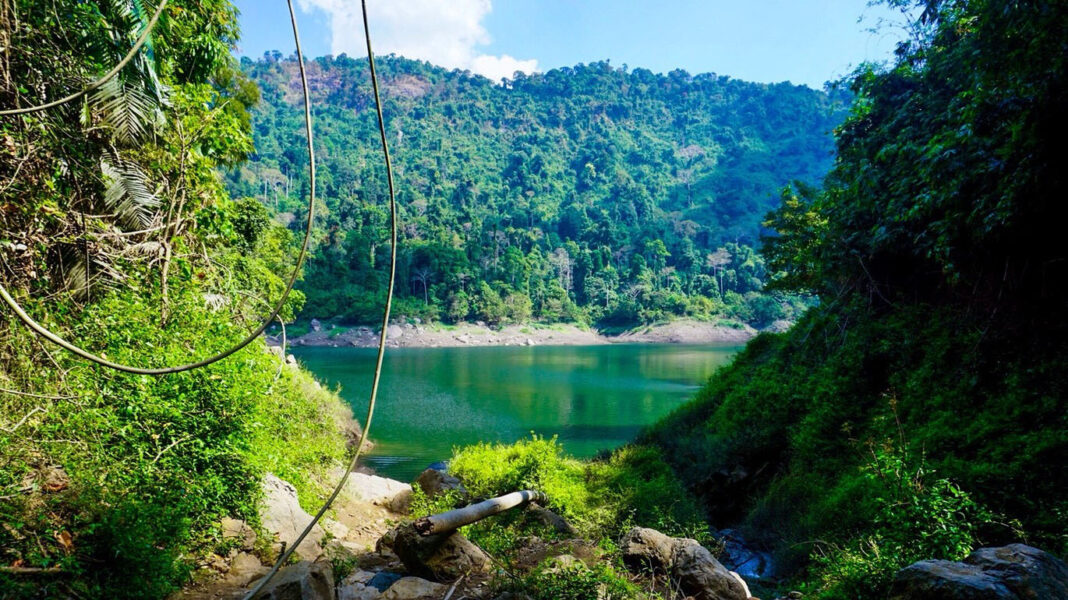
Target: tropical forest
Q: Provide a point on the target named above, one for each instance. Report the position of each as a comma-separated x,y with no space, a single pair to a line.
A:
325,300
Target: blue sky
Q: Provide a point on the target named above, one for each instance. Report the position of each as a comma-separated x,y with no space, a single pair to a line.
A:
802,41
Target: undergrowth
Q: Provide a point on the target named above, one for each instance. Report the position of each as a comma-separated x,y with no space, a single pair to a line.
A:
633,486
601,499
121,483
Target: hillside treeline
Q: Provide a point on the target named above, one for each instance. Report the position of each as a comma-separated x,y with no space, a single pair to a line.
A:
589,194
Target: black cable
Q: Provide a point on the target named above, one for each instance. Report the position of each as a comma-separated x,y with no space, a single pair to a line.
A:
385,319
103,79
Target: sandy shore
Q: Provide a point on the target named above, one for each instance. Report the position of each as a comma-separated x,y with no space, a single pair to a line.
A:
471,334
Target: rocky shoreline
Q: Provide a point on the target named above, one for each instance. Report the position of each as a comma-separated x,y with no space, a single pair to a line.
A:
419,335
369,549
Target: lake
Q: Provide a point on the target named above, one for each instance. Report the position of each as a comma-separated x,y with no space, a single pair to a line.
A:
432,399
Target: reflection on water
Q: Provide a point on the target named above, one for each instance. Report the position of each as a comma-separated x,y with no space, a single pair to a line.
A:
432,399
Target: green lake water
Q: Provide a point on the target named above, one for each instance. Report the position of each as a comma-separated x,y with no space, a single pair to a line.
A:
432,399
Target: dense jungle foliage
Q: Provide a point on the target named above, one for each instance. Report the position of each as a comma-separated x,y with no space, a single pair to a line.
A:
116,232
585,194
920,410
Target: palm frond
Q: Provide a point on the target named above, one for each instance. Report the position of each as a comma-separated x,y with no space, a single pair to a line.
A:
148,249
215,302
127,193
127,109
77,278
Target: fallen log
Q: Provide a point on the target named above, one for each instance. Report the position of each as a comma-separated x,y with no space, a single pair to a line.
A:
455,519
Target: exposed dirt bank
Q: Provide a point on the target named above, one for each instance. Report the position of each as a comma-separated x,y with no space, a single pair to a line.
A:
472,334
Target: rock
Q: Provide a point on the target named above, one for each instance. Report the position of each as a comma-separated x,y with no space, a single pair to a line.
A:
745,587
385,542
335,528
54,478
691,566
434,482
550,519
443,557
394,331
379,491
1028,571
316,325
700,575
414,588
401,503
529,342
357,591
359,576
355,587
281,514
302,581
646,549
1013,572
290,359
245,568
216,563
239,531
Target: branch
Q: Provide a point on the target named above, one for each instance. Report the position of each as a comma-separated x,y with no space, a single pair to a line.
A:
23,421
173,444
33,571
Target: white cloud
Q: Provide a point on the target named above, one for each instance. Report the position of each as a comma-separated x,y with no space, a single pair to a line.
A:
443,32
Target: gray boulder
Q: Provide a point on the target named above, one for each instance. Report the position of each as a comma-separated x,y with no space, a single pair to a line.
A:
281,514
700,575
414,588
647,549
302,581
551,520
356,586
245,568
434,482
1013,572
443,557
239,532
691,566
380,491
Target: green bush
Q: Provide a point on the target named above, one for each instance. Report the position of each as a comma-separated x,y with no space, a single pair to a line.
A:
634,486
916,517
578,582
153,462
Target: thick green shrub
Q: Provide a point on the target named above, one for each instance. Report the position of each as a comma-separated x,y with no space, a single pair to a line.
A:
634,486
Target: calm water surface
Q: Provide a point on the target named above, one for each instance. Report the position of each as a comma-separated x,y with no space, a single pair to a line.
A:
432,399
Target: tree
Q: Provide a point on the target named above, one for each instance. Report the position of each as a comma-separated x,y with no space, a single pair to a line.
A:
717,261
423,276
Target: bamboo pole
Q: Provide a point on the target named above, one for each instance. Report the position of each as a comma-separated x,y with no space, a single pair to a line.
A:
455,519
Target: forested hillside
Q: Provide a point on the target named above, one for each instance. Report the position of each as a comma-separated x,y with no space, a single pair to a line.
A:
588,194
920,410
